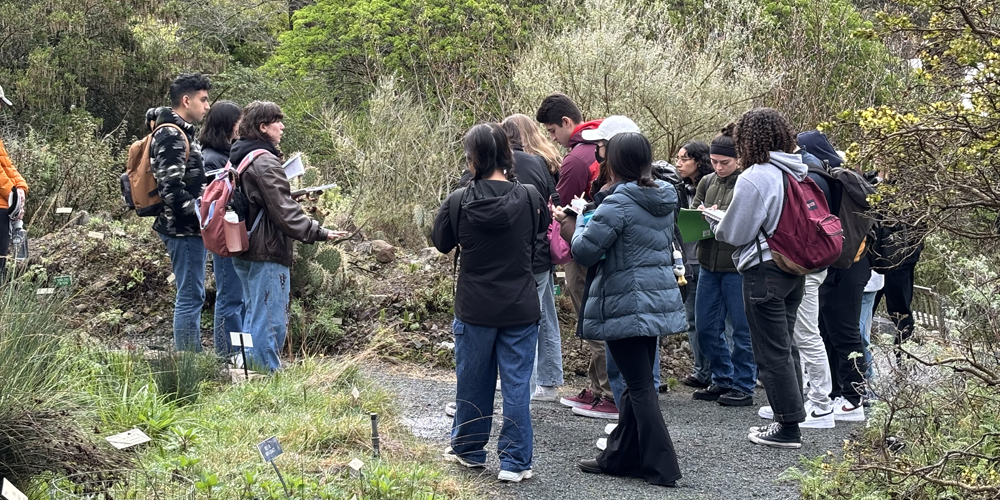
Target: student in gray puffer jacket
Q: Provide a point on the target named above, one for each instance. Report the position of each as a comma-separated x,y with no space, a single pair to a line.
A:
633,300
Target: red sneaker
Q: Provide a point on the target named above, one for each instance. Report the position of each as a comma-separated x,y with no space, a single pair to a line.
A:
584,399
602,408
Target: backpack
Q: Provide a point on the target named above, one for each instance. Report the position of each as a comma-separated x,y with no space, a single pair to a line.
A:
895,244
138,183
455,209
225,238
852,190
808,236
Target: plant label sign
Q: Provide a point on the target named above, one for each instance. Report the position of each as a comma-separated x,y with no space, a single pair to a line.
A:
270,449
355,467
10,492
561,274
63,281
96,235
45,291
240,338
64,210
128,439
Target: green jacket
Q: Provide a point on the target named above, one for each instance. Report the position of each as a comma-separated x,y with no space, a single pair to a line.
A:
714,255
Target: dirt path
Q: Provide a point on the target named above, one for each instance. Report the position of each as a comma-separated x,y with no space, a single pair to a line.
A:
717,460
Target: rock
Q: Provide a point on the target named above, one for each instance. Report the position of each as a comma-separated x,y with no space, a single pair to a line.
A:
428,254
383,251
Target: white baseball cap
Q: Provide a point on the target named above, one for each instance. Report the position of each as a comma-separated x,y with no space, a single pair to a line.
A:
610,127
3,97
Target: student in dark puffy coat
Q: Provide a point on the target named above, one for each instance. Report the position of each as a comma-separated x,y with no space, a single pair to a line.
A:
633,300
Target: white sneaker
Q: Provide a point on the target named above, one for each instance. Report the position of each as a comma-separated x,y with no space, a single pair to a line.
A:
545,393
514,477
818,418
450,409
450,456
608,429
766,413
602,444
844,411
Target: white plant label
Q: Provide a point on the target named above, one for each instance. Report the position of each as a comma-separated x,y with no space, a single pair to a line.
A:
561,274
171,278
356,465
10,492
337,321
355,394
64,210
234,339
45,291
128,439
96,235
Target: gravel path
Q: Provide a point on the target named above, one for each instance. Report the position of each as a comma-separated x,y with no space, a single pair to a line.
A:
717,460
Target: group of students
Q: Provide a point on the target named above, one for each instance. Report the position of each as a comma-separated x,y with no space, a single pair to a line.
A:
252,288
750,319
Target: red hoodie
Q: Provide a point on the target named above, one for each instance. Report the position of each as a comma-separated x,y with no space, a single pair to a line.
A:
578,167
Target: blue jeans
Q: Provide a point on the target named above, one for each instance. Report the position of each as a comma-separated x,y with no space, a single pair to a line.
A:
187,257
479,352
867,309
229,307
615,375
701,369
266,288
720,295
548,358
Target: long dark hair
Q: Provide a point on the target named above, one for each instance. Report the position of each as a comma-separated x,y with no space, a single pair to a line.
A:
699,152
513,133
630,157
487,148
219,125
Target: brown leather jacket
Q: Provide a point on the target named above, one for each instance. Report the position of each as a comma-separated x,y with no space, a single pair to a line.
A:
266,186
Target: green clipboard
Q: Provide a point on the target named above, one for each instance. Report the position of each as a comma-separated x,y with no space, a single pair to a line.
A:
693,225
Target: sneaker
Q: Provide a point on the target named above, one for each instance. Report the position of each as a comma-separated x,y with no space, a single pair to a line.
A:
818,418
514,477
608,429
766,412
545,393
584,399
450,409
450,456
602,408
774,436
844,411
736,397
602,444
692,381
710,393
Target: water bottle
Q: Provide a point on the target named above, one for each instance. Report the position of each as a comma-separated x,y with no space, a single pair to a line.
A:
19,238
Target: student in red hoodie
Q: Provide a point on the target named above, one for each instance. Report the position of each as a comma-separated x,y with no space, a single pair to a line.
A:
562,118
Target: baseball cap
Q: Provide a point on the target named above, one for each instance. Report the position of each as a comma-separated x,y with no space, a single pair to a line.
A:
3,97
610,127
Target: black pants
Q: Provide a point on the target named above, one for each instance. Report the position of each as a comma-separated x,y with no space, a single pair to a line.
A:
898,293
640,446
839,312
4,242
771,298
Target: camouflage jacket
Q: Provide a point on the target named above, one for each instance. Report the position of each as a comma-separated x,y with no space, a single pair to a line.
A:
179,182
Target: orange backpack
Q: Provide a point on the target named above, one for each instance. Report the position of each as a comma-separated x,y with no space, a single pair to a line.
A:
138,183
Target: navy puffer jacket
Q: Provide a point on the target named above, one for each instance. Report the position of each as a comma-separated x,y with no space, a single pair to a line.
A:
634,293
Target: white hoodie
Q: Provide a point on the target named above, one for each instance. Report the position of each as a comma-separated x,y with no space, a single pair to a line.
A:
757,201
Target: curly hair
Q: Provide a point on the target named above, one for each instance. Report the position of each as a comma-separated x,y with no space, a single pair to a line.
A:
760,131
699,152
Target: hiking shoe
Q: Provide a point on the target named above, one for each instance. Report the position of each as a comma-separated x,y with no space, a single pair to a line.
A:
818,418
710,393
663,388
736,397
692,381
766,412
514,477
602,408
602,444
584,399
776,436
450,456
590,466
844,411
608,429
545,393
450,409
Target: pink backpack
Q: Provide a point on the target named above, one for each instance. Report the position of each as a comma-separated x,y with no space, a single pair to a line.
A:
808,236
225,238
558,247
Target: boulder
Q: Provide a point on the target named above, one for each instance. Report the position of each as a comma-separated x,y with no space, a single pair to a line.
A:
428,254
383,251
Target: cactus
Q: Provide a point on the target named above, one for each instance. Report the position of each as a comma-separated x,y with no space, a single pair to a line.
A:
329,259
307,252
311,177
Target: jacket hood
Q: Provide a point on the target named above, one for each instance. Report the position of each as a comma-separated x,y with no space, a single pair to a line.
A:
493,205
791,163
816,143
659,201
153,114
665,171
577,136
243,147
167,115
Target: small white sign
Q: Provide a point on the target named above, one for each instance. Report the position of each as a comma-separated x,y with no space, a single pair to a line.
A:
45,291
64,210
10,492
337,321
561,274
128,439
355,394
356,465
171,278
235,337
96,235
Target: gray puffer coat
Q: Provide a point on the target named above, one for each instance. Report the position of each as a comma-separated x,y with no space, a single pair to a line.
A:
634,293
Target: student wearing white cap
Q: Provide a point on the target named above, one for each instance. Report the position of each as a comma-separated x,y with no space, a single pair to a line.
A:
13,190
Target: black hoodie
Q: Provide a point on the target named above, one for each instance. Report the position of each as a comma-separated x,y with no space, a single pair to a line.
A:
496,286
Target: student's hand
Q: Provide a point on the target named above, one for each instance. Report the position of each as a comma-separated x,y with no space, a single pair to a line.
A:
334,235
558,214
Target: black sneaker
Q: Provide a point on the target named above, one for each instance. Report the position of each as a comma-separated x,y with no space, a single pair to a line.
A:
736,398
692,381
776,436
710,393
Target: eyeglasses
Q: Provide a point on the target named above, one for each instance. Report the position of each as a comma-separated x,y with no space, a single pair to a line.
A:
682,158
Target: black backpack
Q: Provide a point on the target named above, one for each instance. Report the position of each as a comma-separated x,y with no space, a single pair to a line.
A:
850,191
455,209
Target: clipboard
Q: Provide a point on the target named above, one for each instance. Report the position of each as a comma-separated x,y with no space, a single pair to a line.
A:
693,225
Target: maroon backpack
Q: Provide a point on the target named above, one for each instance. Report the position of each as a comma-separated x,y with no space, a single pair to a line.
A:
808,236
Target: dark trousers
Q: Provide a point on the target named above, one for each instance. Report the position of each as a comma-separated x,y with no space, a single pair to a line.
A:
640,446
4,242
839,309
771,298
898,293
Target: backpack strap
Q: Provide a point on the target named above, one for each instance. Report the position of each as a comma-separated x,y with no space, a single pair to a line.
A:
187,144
454,209
244,164
784,184
533,197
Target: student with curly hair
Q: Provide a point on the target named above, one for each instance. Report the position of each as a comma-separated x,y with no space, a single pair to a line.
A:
771,297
